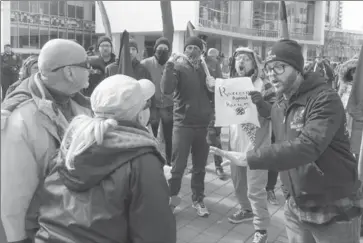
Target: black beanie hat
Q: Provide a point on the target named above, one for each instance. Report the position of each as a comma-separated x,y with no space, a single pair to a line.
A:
161,40
103,39
195,41
132,43
288,51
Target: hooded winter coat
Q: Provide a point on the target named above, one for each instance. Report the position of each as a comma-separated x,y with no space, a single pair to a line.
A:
116,193
32,126
355,125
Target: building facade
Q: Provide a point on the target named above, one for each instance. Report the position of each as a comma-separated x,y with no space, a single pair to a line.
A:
334,14
225,24
28,25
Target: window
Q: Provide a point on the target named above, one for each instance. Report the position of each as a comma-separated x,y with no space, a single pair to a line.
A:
14,40
53,34
93,12
34,7
44,7
54,8
44,35
24,6
62,8
71,35
23,36
14,5
34,36
79,12
79,38
87,40
71,11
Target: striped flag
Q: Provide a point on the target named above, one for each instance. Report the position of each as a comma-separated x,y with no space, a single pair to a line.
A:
284,31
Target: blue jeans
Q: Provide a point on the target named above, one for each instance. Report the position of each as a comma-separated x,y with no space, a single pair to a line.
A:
335,232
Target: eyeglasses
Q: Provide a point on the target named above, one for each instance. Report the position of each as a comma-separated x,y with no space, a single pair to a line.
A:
243,57
84,64
277,69
105,46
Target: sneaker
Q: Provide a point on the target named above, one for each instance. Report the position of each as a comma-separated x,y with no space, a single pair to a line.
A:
202,210
259,238
271,197
240,216
220,173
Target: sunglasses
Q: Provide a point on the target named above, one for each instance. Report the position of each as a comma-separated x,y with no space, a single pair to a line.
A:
84,64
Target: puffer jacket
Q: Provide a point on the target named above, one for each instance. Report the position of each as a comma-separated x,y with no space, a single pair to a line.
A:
355,124
31,130
312,148
116,193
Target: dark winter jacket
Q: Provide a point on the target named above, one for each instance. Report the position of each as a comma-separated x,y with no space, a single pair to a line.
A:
140,71
98,72
10,66
192,104
312,150
115,194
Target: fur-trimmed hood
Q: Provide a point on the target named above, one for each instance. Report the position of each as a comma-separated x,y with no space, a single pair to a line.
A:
259,71
345,85
345,68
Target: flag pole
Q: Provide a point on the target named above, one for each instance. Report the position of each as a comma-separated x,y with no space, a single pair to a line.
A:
284,32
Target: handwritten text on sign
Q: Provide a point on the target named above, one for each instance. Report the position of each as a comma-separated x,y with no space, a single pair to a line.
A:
232,102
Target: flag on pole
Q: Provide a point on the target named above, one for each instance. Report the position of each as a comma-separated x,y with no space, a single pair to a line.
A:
105,19
124,63
190,30
355,105
284,31
167,18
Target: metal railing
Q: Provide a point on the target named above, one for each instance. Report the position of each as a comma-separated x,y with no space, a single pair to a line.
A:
251,31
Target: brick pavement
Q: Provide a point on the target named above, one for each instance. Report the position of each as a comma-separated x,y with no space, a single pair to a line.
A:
221,202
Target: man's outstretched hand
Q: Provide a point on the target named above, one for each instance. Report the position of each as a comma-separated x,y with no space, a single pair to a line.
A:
238,158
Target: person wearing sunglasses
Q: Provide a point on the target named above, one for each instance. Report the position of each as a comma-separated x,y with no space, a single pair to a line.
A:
34,118
312,153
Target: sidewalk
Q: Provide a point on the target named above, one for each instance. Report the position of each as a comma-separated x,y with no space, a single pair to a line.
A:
221,202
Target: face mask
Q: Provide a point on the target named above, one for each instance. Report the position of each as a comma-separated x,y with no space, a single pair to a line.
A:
143,117
193,54
162,56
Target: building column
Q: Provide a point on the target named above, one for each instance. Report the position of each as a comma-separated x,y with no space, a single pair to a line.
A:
305,51
250,44
5,24
226,46
116,43
140,40
178,42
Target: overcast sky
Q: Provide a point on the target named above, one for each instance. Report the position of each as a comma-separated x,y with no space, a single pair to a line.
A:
353,15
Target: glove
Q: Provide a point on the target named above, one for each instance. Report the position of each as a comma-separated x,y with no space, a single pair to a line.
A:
211,83
256,97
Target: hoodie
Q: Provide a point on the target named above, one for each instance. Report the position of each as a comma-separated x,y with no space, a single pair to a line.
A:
246,137
113,195
355,124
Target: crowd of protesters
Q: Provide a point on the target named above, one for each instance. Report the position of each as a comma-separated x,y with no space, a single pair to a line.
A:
81,159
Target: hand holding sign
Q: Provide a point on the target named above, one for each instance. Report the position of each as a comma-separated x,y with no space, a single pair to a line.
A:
233,102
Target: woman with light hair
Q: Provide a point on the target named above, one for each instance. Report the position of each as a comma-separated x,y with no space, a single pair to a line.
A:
108,185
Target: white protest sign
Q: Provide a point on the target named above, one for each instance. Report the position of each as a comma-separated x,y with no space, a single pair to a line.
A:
233,104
